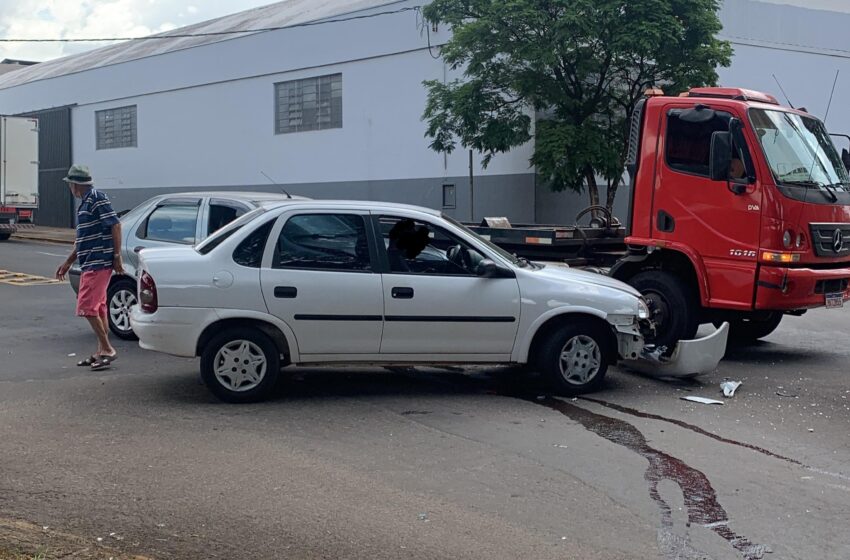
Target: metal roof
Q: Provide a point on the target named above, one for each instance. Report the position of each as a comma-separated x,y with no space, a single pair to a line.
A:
280,14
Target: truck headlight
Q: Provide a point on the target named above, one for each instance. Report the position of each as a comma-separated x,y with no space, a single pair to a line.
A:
643,309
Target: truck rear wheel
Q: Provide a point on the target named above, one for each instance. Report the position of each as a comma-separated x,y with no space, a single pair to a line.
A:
749,330
672,305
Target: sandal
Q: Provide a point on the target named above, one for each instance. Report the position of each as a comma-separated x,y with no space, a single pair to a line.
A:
88,361
103,362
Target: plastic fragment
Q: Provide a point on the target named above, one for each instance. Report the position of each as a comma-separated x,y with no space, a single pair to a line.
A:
729,388
701,400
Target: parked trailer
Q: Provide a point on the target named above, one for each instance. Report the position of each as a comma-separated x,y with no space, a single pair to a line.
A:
18,172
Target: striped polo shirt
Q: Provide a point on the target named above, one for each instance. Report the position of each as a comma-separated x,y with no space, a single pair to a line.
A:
95,218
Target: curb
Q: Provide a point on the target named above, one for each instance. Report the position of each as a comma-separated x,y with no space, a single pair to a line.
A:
42,238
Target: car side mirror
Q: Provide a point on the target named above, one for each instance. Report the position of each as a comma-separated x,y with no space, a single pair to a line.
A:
489,269
720,158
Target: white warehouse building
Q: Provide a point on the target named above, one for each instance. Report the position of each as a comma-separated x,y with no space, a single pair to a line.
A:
332,109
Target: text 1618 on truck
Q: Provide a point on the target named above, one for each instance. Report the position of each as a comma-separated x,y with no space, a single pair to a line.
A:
739,211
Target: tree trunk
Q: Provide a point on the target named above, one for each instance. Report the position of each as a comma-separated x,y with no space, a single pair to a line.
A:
592,189
612,192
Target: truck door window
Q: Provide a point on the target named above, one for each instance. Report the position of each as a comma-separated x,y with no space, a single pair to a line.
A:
689,143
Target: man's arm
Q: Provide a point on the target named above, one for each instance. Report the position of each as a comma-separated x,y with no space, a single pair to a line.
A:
66,266
117,261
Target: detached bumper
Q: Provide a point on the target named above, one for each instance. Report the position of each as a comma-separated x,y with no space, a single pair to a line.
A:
784,289
689,358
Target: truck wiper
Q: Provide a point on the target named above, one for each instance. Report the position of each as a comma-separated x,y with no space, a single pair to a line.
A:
827,189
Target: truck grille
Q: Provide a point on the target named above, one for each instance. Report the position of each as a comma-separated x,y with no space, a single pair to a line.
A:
831,240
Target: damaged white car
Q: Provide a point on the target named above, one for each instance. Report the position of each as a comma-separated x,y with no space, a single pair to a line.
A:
323,282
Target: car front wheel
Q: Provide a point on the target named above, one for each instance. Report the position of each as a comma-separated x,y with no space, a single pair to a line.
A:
121,296
575,357
240,365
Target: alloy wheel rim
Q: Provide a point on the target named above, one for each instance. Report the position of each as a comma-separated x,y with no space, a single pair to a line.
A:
580,360
119,309
240,365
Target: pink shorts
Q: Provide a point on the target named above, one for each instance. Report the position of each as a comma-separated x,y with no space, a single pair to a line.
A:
91,299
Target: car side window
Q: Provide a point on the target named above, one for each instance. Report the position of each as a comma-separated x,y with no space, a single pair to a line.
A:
324,242
688,144
250,251
172,223
222,214
415,247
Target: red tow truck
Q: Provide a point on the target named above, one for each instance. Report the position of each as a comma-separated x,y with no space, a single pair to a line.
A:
739,211
18,173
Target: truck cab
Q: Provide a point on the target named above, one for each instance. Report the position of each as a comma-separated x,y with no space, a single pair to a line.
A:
740,212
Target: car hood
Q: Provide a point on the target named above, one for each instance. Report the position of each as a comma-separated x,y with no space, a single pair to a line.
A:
562,272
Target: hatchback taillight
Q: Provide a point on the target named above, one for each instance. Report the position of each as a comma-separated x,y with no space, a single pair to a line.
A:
147,293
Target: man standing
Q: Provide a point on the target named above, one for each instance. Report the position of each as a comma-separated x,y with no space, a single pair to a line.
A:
98,248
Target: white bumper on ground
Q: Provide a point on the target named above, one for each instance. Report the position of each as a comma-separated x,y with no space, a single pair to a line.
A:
689,358
171,330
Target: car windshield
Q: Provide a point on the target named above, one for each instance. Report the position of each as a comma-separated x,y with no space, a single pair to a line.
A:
221,235
504,254
799,149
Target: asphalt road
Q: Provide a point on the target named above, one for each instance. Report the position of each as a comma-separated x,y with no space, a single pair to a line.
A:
422,463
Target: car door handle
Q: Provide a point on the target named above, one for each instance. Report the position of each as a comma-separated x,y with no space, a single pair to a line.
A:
402,293
285,292
137,249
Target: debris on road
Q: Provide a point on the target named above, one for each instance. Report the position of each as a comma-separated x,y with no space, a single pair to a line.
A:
72,355
811,429
729,388
559,445
423,517
701,400
786,394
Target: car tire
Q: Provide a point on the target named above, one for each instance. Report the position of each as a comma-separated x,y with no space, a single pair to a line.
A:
575,357
120,297
5,236
255,367
673,307
748,331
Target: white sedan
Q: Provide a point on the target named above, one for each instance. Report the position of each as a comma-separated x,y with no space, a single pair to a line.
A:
324,282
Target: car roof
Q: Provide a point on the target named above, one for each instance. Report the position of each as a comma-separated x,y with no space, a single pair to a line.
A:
349,204
255,197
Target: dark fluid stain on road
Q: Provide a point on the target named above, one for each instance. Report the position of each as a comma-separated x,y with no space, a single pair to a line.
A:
699,496
691,427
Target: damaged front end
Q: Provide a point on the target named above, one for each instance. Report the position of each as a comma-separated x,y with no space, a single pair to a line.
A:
689,358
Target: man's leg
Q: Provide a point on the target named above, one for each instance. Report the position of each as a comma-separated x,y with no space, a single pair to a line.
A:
103,346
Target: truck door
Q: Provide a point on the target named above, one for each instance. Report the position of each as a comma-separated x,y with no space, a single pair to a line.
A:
719,220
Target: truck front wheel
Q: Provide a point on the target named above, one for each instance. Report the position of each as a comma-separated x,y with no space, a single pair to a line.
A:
672,305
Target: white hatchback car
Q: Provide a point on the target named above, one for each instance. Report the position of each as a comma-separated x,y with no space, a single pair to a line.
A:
324,282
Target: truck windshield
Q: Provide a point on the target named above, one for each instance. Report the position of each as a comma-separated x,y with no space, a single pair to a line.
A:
799,151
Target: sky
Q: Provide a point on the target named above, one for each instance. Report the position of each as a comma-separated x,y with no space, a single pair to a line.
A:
51,19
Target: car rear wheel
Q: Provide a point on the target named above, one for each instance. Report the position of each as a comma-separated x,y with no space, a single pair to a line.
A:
575,357
240,365
120,297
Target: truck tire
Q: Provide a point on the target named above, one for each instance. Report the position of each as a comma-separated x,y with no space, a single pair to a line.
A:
240,365
748,331
120,297
673,306
5,236
575,357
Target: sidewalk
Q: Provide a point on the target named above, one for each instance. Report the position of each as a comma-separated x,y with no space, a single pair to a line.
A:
50,234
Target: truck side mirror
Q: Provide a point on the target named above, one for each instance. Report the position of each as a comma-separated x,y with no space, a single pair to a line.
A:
845,157
720,158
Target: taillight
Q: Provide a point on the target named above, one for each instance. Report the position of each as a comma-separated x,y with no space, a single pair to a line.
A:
147,293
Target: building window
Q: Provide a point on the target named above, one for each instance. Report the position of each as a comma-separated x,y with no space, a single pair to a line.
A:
116,128
309,104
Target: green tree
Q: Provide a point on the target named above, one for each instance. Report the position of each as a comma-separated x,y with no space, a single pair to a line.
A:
578,66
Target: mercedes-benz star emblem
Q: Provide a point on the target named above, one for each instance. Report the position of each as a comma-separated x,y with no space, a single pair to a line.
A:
837,241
